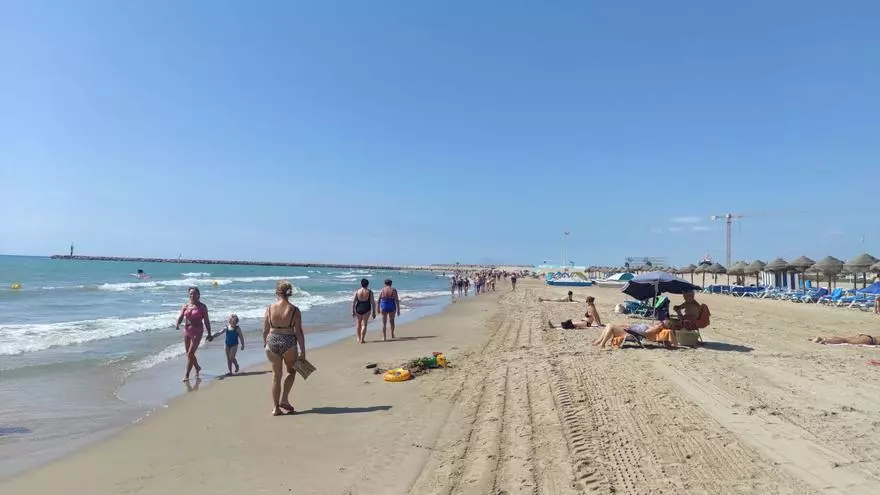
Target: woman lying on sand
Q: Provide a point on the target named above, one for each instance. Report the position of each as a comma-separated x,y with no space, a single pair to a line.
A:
654,333
570,298
590,317
860,339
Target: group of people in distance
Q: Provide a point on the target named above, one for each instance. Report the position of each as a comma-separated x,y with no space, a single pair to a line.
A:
283,336
690,315
482,281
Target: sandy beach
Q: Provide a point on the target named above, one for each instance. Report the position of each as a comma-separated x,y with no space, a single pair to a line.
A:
525,409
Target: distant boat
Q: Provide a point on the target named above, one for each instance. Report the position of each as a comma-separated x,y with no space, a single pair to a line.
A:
618,280
564,279
570,282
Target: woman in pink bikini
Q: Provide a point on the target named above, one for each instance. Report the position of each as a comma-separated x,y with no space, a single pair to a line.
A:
196,315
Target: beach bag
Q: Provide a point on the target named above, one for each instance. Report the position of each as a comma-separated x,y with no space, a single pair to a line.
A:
304,368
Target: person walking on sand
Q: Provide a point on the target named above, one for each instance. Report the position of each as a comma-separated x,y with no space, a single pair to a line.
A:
196,315
362,306
513,281
282,334
233,338
389,306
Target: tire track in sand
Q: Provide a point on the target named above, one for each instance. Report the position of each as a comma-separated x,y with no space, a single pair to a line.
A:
516,469
444,467
481,455
554,474
580,434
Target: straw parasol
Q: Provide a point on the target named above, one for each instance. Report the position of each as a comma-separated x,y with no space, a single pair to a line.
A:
876,267
800,265
702,269
755,267
777,265
688,269
830,267
738,269
716,269
860,264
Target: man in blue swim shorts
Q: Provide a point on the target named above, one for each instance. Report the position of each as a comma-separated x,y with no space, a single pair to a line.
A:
389,306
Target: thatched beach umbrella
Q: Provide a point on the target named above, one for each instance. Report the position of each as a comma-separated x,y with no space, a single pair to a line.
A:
738,269
716,269
860,264
702,269
755,268
876,267
830,267
777,266
688,269
801,264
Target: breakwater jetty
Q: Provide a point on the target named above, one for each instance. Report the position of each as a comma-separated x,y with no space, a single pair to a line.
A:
348,266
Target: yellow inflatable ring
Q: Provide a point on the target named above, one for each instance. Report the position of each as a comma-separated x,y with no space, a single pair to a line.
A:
15,286
397,375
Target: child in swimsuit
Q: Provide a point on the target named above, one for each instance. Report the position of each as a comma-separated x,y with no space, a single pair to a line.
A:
233,338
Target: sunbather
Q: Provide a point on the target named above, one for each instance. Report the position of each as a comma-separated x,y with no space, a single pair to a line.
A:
616,334
860,339
591,317
570,298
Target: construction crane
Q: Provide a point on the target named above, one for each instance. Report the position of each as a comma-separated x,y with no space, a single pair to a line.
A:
729,217
729,220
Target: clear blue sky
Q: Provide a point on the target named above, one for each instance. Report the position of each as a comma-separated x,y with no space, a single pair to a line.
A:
456,131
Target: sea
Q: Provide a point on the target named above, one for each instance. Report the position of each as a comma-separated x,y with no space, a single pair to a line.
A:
87,347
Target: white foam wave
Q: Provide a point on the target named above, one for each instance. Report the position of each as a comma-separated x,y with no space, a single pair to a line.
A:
191,281
196,274
19,339
166,354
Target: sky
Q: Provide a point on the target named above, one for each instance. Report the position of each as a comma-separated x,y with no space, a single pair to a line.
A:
429,132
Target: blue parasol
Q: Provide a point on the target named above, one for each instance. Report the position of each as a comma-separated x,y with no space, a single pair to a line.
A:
652,284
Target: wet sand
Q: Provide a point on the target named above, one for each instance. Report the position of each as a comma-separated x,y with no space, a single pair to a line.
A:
526,409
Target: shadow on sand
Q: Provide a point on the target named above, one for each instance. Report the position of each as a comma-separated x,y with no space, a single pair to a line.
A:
343,410
721,346
244,373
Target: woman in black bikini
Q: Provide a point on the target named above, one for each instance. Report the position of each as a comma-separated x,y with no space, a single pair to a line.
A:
282,333
361,307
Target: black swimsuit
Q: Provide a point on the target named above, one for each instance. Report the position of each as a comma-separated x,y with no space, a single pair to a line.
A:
364,307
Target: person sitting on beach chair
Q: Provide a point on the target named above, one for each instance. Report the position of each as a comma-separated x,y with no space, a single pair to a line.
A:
570,298
690,315
860,339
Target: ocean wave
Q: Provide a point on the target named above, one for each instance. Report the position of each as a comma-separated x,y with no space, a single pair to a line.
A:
24,338
196,274
191,282
167,354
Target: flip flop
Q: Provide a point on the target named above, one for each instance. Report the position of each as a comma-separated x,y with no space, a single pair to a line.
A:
288,408
874,362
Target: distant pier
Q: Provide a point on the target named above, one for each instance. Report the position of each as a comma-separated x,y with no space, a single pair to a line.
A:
350,266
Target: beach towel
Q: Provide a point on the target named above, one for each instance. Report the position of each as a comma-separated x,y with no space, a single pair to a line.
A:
304,368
